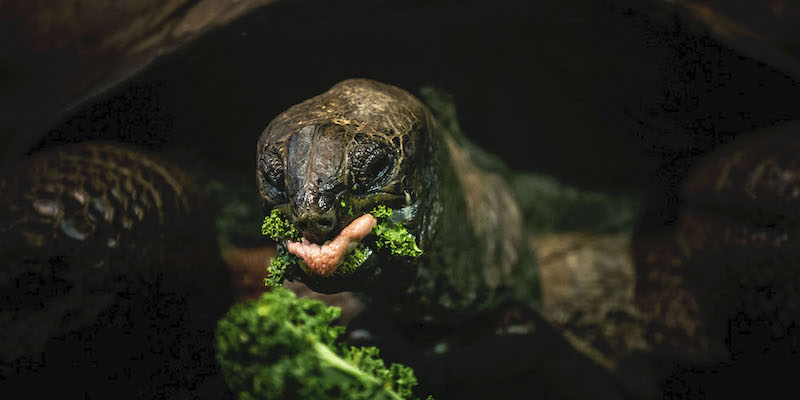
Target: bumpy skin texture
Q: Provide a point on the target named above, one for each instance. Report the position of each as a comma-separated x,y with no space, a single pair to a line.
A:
91,193
103,241
100,205
334,157
731,261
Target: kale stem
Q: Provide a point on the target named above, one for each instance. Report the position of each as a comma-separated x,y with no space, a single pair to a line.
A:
337,362
333,359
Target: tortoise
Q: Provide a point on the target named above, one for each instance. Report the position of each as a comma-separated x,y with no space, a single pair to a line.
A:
89,209
720,285
334,157
108,258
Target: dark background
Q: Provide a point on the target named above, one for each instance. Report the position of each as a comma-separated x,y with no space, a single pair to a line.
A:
611,95
617,96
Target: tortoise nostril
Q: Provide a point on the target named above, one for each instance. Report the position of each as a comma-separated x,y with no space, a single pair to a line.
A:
316,227
325,224
301,225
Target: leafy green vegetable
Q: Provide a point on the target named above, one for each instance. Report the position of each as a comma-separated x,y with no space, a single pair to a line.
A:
354,259
276,226
389,235
277,269
392,235
282,347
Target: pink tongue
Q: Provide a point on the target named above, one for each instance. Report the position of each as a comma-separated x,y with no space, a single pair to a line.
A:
324,259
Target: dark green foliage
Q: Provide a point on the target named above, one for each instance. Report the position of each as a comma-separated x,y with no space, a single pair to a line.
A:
282,347
550,206
232,198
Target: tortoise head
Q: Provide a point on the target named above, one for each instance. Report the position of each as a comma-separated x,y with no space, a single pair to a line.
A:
333,158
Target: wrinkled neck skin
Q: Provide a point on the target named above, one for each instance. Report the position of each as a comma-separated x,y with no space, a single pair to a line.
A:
334,157
474,256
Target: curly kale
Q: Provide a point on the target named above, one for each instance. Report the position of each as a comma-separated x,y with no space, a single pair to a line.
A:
284,347
276,271
389,235
354,259
392,235
276,226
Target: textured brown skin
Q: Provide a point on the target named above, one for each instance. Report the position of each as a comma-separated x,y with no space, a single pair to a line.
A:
466,220
734,252
84,224
353,112
97,202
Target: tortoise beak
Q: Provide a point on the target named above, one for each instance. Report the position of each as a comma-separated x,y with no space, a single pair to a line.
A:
316,227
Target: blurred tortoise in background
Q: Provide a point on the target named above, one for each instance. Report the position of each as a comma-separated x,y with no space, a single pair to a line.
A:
722,286
109,272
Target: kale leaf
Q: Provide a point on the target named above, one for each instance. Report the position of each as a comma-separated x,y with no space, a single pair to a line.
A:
284,347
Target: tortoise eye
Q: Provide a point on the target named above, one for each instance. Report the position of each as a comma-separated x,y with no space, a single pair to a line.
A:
371,165
272,175
275,171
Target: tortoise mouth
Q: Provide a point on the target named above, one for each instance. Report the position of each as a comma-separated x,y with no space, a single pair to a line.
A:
325,259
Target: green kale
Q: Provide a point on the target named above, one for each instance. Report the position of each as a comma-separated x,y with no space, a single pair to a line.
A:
284,347
276,270
389,235
392,235
354,259
276,226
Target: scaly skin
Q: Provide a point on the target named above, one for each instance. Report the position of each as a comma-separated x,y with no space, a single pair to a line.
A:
334,157
95,196
89,227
